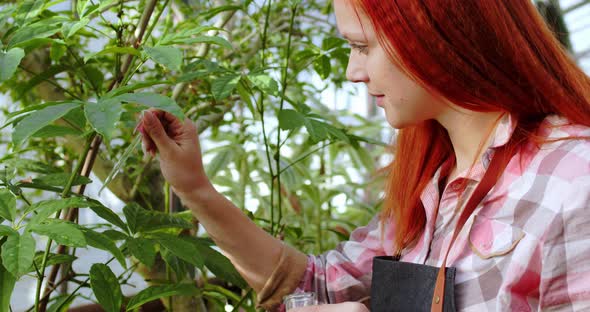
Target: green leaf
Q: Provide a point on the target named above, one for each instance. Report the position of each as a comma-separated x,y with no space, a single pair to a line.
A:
246,96
31,165
134,215
141,220
106,288
29,33
302,58
51,131
9,62
156,292
265,83
7,205
94,77
362,159
154,100
336,133
82,6
64,233
322,66
7,231
181,247
220,161
30,9
107,214
7,282
223,86
18,252
177,265
208,14
52,259
39,119
114,50
76,118
330,43
143,249
47,208
47,74
316,129
207,40
101,241
135,86
217,263
61,303
290,119
103,115
71,28
169,57
61,179
115,235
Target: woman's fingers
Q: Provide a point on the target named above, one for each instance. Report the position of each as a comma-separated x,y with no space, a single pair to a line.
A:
155,134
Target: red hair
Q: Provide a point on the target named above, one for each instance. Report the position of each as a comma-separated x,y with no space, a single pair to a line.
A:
495,55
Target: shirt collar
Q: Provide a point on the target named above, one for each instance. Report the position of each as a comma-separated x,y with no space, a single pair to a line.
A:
503,131
500,137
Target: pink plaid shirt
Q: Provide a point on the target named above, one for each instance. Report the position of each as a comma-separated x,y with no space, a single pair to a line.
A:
526,246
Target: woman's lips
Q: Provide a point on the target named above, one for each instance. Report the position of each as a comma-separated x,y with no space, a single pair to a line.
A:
379,100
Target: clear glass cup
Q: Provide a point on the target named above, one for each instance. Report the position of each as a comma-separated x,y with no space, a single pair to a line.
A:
299,300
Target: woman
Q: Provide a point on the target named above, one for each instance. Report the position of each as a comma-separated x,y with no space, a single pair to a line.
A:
461,80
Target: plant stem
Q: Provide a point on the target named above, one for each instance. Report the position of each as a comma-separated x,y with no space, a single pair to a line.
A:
139,177
261,111
242,300
306,155
65,194
89,159
149,31
85,283
77,169
145,18
282,101
54,83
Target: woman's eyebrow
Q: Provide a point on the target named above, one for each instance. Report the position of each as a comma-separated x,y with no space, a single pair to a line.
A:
348,36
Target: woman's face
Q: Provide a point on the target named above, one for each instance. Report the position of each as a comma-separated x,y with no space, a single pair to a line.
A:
405,102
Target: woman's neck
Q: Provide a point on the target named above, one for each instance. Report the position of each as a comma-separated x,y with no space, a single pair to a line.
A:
470,132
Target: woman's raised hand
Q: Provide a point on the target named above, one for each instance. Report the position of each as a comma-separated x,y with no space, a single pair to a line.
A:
177,142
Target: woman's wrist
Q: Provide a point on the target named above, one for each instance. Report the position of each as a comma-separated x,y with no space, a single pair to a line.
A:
196,196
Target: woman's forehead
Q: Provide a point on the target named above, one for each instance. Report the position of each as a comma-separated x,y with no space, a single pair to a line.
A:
349,20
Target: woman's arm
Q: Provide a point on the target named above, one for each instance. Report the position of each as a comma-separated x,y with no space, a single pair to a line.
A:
254,252
565,275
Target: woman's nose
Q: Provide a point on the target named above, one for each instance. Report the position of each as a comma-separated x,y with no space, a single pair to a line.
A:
356,70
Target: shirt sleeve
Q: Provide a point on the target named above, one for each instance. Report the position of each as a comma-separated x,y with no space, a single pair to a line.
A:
565,276
344,274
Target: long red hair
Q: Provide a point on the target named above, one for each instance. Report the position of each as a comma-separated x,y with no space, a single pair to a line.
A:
496,55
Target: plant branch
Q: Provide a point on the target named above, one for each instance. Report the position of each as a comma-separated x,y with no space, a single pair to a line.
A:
282,101
204,49
41,307
261,112
305,156
90,157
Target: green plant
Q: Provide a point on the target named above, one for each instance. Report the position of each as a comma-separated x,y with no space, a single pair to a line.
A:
240,70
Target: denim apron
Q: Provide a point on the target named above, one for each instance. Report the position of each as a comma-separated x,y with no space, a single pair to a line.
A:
404,286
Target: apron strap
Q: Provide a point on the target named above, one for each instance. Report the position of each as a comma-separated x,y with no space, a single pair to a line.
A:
497,165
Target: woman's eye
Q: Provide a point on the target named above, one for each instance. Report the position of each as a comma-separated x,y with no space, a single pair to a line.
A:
360,48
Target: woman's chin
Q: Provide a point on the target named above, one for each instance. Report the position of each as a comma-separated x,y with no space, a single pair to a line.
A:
397,123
